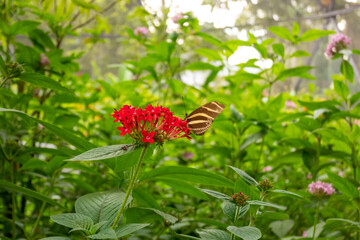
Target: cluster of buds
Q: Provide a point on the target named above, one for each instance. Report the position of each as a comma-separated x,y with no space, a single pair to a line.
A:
321,189
240,199
265,185
14,69
153,124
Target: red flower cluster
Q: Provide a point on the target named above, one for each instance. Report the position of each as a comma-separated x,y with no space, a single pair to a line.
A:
265,185
240,199
153,124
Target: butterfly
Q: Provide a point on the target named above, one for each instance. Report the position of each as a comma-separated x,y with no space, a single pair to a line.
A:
200,120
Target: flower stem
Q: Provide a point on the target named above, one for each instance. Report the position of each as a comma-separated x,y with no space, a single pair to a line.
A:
316,218
237,212
131,185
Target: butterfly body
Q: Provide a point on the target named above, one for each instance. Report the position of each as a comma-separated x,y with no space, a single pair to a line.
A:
200,120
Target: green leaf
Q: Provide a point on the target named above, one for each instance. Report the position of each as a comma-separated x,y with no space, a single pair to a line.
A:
314,34
281,228
347,70
107,233
184,187
266,204
333,134
101,206
340,223
165,216
245,233
23,27
287,193
3,68
127,229
295,72
210,39
183,236
105,152
300,53
296,29
200,66
28,192
213,234
344,185
42,81
216,194
282,33
249,190
63,133
279,49
247,178
252,139
261,49
210,54
86,5
188,174
145,198
341,89
73,220
356,51
56,238
229,209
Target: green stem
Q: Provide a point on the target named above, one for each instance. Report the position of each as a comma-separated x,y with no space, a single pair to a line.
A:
316,218
237,212
13,199
131,185
43,205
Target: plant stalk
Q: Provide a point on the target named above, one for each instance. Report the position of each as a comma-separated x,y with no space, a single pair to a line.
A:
316,219
237,212
131,185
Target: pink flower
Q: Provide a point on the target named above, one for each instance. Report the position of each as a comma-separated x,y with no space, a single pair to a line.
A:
321,189
304,234
341,173
359,188
177,17
265,93
290,104
267,169
141,31
44,60
309,176
338,42
187,155
357,122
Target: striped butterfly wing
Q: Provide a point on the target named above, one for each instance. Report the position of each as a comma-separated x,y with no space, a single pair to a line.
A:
200,120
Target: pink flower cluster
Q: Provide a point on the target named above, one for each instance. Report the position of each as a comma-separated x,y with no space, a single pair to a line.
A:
177,17
338,42
290,104
141,31
267,169
321,189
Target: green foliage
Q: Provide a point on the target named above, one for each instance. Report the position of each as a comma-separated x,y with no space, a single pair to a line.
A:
56,126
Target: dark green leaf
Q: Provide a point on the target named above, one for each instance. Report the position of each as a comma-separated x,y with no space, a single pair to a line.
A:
127,229
245,233
212,234
73,220
107,233
247,178
266,204
28,192
42,81
105,152
344,185
216,194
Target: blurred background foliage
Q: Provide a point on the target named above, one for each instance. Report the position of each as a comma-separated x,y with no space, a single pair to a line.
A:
68,64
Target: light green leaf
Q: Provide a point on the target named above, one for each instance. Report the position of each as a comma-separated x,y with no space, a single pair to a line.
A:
73,220
252,139
279,49
105,152
210,54
63,133
107,233
216,194
28,192
287,193
247,178
340,223
282,33
56,238
245,233
347,70
188,174
213,234
300,53
23,27
127,229
295,72
200,66
296,29
281,228
266,204
314,34
101,206
43,81
341,89
344,185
